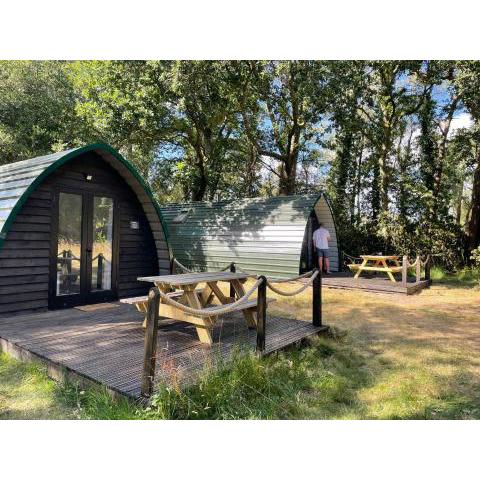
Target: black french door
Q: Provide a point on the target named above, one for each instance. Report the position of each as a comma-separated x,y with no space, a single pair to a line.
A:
84,249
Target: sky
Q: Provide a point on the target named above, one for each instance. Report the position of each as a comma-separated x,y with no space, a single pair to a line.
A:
461,120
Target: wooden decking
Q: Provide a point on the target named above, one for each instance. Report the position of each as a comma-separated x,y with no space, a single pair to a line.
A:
106,345
377,283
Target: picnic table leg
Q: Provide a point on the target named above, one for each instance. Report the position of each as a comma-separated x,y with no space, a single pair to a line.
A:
390,276
250,317
359,271
206,295
218,293
203,331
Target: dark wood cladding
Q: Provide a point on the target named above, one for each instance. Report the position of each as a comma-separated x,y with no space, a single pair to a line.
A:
25,256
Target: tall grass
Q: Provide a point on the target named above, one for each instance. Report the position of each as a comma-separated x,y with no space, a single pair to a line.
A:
464,276
280,386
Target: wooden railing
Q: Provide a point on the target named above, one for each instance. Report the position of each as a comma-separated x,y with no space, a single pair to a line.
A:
417,265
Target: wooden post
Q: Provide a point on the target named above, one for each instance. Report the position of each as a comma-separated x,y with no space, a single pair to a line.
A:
69,270
150,348
317,299
100,272
172,266
404,270
261,314
427,268
418,269
233,269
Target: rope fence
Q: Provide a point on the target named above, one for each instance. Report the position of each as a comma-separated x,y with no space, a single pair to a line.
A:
313,276
188,270
220,310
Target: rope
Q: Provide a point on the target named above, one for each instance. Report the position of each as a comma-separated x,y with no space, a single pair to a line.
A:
414,264
293,279
220,310
253,275
184,268
295,292
282,280
427,259
351,258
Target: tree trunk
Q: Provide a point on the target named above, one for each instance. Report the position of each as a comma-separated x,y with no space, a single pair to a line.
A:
442,155
288,175
343,167
199,190
403,162
383,171
200,185
375,195
458,212
359,186
474,223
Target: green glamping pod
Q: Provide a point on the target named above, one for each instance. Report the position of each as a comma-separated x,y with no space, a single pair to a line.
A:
270,236
76,227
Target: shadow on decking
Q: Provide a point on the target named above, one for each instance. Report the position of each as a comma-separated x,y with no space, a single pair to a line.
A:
106,346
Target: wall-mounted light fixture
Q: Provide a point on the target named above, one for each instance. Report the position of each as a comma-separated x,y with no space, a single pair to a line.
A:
88,177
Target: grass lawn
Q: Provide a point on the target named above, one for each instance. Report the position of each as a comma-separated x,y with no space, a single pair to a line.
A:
389,356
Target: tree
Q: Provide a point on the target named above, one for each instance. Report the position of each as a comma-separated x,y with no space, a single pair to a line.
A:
390,97
178,113
467,82
122,103
37,110
346,81
281,103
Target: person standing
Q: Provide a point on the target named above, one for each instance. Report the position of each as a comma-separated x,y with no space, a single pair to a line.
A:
321,236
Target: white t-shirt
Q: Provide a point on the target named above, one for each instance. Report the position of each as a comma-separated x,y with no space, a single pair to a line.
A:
321,236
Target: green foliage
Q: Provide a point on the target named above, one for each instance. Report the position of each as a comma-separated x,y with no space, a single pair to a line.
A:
37,109
475,258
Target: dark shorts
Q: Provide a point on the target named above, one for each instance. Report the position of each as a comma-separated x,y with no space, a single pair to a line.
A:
322,253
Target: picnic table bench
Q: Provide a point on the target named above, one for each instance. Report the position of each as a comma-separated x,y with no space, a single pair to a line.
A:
183,288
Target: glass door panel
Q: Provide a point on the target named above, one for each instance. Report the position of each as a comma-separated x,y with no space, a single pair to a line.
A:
69,244
102,244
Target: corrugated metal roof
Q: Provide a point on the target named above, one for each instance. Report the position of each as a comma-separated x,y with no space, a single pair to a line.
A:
18,180
263,235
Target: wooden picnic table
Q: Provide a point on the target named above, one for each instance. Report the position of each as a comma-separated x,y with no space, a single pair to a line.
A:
197,298
378,263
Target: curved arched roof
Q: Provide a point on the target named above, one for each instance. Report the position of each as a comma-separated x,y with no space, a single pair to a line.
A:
18,180
263,235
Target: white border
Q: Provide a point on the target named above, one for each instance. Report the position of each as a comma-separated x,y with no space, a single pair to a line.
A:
216,29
